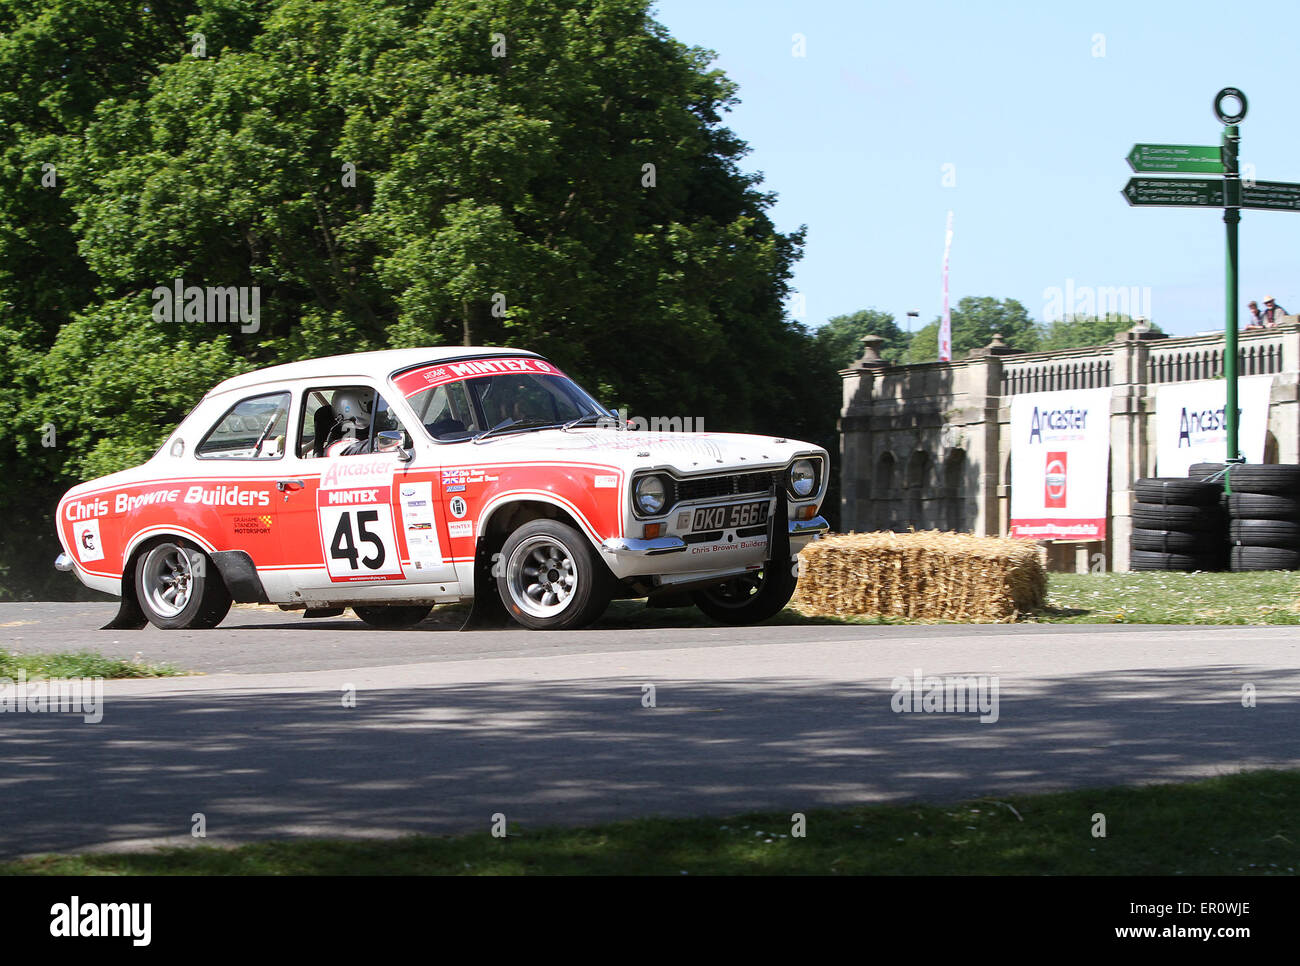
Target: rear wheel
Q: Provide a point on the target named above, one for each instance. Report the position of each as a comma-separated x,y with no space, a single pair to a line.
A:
390,617
550,578
751,597
178,587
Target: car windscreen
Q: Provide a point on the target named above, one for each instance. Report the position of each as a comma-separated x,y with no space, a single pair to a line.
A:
457,400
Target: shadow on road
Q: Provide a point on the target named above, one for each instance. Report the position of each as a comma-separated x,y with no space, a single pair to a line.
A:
444,759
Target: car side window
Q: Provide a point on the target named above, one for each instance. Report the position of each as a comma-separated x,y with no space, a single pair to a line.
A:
320,428
252,429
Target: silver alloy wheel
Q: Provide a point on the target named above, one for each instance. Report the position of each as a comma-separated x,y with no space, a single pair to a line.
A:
168,579
541,576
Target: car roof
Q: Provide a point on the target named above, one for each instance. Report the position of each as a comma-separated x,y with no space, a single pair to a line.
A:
377,365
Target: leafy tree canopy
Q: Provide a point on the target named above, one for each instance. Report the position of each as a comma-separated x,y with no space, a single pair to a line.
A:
553,176
840,338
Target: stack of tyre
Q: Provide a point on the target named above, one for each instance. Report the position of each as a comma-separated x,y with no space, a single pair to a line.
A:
1263,516
1178,524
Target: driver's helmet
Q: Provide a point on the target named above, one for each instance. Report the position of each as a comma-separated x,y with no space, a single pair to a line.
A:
352,408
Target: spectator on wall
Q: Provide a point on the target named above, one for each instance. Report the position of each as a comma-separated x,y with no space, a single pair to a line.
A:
1256,320
1273,312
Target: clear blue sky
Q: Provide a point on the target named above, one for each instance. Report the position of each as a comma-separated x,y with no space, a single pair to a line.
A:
853,138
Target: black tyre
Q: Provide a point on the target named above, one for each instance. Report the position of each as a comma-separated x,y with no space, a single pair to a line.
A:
1174,516
178,587
391,617
1154,560
1264,558
1280,479
1169,490
752,597
1177,541
1264,533
550,578
1263,506
1199,471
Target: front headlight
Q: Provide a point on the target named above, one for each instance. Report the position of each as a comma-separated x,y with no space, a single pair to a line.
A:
650,494
803,478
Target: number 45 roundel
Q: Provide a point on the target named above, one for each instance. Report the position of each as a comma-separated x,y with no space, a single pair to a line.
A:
359,541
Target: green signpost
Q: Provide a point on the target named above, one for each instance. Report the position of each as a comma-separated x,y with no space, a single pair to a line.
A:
1230,194
1174,192
1186,158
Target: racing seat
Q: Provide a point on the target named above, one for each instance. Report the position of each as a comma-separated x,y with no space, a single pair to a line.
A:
324,429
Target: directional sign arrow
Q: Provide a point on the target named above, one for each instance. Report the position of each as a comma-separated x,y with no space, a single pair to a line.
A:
1278,195
1188,158
1174,193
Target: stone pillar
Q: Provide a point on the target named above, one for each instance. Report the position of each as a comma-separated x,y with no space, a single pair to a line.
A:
1284,401
1130,456
859,385
984,375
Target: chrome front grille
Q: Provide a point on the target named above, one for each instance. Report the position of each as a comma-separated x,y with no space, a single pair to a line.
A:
722,487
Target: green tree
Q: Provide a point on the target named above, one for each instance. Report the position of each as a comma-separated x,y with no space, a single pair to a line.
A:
489,171
1079,331
974,321
840,338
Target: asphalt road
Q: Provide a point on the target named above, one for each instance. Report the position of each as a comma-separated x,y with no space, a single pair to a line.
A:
450,728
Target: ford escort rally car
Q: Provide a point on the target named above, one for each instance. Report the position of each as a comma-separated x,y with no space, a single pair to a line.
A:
391,481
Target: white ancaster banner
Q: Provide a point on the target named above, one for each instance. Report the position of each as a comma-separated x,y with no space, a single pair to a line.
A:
1060,460
1191,428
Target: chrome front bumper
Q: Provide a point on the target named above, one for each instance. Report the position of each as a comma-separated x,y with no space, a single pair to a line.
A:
63,562
633,546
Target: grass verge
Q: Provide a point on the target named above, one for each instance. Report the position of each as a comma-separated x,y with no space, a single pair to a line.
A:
1247,824
1168,597
1155,597
82,664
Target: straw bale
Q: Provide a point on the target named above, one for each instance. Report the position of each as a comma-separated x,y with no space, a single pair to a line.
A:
926,576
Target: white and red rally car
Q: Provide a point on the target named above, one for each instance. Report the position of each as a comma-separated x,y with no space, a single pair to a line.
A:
392,481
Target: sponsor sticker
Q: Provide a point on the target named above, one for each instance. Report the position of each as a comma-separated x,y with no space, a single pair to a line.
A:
257,524
606,482
457,506
87,542
421,535
460,528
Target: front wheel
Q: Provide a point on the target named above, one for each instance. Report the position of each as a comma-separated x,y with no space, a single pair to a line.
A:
550,578
751,597
393,617
178,588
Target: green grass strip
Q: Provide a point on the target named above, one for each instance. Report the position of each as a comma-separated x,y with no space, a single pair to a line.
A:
82,664
1245,824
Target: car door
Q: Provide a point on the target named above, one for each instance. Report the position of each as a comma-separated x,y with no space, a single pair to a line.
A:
366,520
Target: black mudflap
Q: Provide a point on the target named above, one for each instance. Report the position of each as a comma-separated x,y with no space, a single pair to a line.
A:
487,612
129,615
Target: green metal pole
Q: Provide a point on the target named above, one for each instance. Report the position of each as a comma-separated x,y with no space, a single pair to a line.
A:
1231,216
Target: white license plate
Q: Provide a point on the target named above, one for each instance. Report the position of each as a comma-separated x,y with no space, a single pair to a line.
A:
729,517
